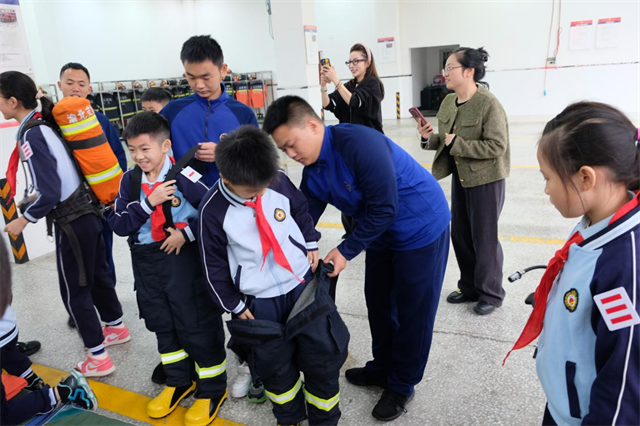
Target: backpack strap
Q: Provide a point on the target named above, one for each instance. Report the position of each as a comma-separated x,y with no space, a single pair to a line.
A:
187,158
135,186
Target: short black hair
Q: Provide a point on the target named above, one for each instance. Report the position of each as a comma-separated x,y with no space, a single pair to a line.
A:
147,123
75,66
248,156
201,48
156,94
290,110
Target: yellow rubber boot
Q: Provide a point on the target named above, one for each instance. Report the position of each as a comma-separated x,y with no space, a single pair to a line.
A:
164,404
203,411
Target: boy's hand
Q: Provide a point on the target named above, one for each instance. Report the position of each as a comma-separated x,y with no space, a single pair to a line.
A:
16,226
313,259
246,315
28,200
207,152
174,241
338,260
163,192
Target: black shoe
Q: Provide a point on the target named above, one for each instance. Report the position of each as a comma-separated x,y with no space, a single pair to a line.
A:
159,377
71,323
459,297
483,308
360,377
391,406
28,348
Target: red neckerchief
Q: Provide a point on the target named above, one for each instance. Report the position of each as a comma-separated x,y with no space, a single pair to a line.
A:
157,216
534,325
268,239
14,160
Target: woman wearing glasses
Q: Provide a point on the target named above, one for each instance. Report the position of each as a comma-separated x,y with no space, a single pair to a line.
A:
357,101
472,144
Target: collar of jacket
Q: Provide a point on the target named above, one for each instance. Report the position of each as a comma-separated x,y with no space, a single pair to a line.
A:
326,150
24,120
214,103
230,196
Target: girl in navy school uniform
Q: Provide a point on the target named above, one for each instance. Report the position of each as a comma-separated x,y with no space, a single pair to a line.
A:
61,194
586,306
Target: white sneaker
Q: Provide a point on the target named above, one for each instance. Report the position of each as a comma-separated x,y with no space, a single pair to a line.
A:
240,387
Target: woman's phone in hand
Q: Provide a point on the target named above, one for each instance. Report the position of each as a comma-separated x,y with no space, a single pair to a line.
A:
325,62
417,115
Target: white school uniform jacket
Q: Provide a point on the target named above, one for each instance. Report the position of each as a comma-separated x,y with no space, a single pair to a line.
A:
588,351
231,249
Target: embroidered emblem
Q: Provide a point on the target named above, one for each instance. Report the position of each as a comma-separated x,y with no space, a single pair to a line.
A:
280,215
346,185
26,150
191,174
571,300
616,309
176,202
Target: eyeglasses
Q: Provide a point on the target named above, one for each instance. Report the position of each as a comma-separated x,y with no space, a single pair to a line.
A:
447,70
354,62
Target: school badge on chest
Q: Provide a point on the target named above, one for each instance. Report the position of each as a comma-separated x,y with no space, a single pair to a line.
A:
176,202
571,300
279,215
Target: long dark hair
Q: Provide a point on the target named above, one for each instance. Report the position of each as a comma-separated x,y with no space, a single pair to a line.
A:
371,69
14,84
596,135
5,278
473,59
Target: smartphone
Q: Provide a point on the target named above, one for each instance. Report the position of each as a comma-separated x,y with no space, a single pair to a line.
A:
417,115
325,62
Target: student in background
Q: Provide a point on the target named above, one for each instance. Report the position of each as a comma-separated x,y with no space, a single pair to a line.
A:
73,389
154,99
204,118
76,81
62,195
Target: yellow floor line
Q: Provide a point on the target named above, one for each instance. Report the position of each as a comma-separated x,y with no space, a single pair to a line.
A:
124,402
511,238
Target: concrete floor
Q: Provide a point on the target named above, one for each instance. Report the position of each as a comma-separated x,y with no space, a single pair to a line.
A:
464,383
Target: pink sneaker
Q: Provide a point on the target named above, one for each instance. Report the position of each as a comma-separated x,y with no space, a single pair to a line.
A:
92,367
115,336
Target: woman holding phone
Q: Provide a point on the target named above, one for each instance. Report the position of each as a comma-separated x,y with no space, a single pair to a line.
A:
359,100
472,144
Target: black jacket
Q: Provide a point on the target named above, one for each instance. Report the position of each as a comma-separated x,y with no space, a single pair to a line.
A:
365,106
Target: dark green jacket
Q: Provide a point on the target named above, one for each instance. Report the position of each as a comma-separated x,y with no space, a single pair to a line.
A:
481,148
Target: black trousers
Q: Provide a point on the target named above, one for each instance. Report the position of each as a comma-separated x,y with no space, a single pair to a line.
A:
99,293
278,348
175,305
20,409
474,234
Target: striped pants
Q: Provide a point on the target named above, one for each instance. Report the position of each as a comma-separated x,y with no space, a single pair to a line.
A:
175,305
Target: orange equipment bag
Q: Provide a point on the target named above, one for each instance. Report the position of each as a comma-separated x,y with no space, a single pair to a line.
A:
83,134
257,95
242,93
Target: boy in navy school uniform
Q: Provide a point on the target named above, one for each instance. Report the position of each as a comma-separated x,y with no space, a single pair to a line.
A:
203,119
259,248
168,275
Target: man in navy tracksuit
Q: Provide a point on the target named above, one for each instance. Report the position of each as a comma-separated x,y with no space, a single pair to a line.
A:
75,81
204,118
402,222
209,113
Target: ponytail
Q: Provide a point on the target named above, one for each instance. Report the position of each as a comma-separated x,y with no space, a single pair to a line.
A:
14,84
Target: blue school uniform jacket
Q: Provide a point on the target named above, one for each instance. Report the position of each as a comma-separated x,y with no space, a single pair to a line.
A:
194,119
132,215
231,249
396,201
588,367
